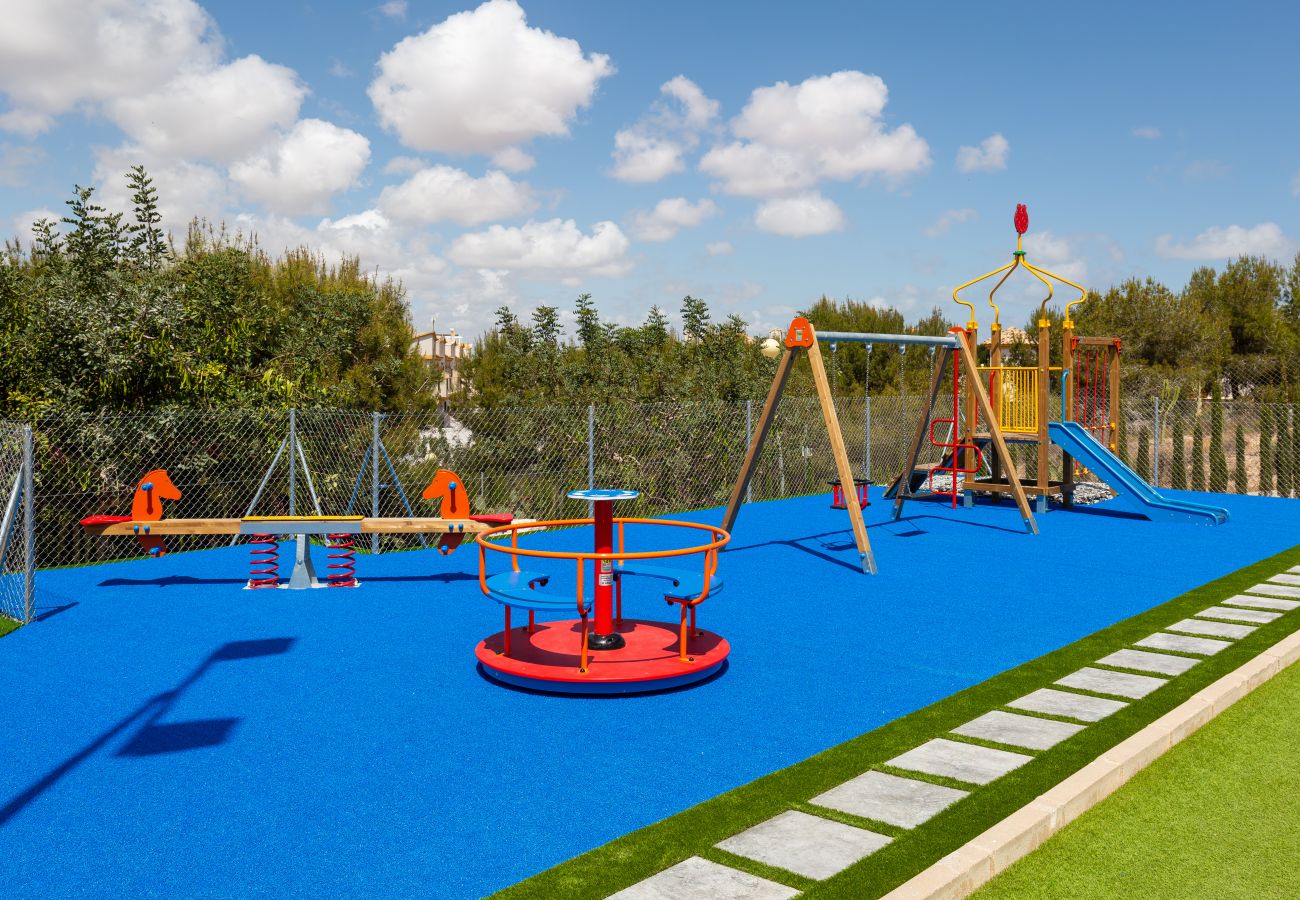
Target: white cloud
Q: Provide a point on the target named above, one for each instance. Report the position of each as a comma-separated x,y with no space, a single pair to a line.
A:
719,248
512,159
393,9
403,165
1147,133
186,190
1056,254
482,80
58,54
219,114
23,222
1205,169
802,215
827,127
669,217
654,147
444,193
299,172
338,70
556,248
1265,239
949,218
989,156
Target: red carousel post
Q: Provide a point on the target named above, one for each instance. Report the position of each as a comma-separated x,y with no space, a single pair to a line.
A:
604,636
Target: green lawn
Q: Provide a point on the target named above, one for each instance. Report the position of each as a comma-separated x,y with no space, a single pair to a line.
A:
7,625
1218,816
637,855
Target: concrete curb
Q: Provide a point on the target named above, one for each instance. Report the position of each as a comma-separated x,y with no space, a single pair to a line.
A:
961,872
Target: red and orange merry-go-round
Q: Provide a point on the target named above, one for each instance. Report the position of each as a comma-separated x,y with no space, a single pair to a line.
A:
600,652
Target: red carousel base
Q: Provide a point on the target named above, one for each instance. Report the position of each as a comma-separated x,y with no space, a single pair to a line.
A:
547,660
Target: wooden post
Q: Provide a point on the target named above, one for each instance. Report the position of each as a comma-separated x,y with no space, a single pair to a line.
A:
968,456
841,455
1114,397
1044,392
1067,407
995,431
760,435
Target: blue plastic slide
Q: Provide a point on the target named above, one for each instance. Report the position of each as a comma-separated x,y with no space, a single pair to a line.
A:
1075,440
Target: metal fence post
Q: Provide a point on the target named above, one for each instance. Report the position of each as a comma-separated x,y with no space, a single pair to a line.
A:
749,440
29,527
1155,449
293,462
374,477
591,456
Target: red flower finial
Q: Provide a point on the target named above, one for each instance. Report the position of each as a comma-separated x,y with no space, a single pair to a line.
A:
1022,219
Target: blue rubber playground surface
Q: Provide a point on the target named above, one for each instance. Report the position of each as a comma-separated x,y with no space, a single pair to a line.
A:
167,733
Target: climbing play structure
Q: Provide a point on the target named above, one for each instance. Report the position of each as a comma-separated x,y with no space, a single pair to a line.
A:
1087,399
601,652
264,533
987,410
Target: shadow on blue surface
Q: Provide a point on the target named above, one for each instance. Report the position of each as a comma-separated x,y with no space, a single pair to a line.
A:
49,612
156,737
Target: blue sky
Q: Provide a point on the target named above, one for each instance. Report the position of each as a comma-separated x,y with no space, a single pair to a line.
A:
769,154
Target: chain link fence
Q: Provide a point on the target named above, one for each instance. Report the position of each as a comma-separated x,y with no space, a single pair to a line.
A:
681,456
17,585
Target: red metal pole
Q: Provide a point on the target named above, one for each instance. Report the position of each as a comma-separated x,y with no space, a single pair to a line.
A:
605,638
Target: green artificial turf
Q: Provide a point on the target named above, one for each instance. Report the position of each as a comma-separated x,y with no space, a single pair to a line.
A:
7,625
693,832
1218,816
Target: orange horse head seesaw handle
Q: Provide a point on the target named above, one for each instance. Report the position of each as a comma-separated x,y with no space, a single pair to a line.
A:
453,503
146,506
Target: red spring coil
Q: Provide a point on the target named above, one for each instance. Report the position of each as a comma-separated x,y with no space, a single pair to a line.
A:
343,565
265,563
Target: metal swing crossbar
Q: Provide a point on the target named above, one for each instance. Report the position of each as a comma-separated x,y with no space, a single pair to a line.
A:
803,337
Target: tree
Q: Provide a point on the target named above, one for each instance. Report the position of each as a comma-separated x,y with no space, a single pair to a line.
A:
147,244
1240,483
1198,457
1178,458
1266,473
590,334
696,321
1218,460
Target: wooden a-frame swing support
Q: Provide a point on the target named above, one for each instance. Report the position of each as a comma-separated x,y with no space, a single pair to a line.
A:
803,337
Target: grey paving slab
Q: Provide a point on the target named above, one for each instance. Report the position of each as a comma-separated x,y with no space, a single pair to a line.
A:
806,845
1212,629
1202,646
1263,602
700,879
1121,684
1064,703
904,802
1274,590
1018,731
1149,662
1258,616
964,762
1295,569
1285,578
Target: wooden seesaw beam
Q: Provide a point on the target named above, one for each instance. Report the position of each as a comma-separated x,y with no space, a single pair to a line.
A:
288,525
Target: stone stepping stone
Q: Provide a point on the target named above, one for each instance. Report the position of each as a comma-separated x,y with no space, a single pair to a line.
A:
806,845
1295,569
1149,662
1262,602
964,762
1120,684
1064,703
904,802
1202,646
1018,731
1285,578
1240,615
1274,590
1213,629
694,878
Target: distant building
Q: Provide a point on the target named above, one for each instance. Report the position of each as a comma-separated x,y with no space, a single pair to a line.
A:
1011,335
443,353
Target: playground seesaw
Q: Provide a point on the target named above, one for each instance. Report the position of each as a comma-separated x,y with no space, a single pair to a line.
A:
147,525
